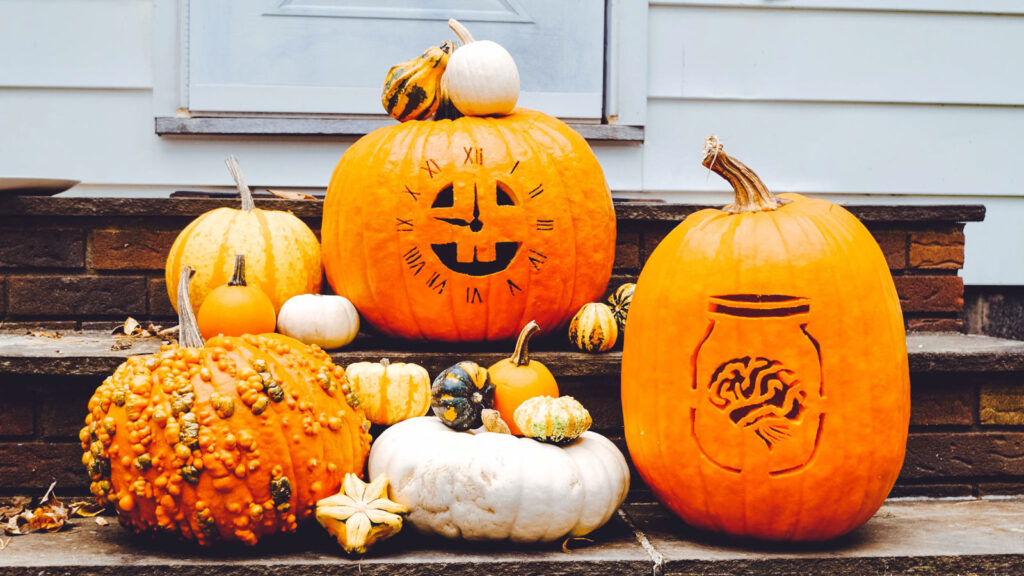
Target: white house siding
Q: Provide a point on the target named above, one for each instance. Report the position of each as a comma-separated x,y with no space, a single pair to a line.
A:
881,101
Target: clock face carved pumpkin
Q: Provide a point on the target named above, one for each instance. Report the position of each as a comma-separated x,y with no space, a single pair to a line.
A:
463,230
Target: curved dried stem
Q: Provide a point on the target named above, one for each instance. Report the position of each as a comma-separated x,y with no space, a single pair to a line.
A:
461,31
521,357
188,331
238,273
236,172
751,193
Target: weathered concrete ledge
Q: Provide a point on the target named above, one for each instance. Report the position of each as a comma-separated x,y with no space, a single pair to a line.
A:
95,353
626,211
929,537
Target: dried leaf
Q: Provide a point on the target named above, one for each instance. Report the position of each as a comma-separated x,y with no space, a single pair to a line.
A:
44,334
86,508
121,343
129,328
291,195
49,516
8,512
565,543
102,521
4,543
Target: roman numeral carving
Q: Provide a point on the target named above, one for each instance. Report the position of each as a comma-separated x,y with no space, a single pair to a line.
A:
414,260
431,167
545,225
514,166
415,195
473,155
473,296
537,259
435,282
537,191
403,225
512,287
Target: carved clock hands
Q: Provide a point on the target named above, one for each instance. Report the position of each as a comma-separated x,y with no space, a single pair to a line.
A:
475,224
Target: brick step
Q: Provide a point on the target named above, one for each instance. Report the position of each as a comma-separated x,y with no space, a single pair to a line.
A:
967,395
938,537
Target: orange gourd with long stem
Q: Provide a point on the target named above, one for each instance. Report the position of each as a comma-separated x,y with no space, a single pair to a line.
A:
236,308
517,379
765,388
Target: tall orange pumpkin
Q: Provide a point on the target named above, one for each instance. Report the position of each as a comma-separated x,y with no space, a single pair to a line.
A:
765,387
466,229
234,440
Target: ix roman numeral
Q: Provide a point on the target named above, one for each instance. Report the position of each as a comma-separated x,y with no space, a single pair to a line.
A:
431,167
473,155
473,296
404,225
436,283
536,259
537,191
415,195
414,260
512,287
545,225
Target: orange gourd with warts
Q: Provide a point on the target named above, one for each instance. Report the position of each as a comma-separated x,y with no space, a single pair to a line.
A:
236,308
765,387
234,440
517,379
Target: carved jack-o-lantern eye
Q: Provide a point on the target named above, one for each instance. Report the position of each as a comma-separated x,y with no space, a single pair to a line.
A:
448,253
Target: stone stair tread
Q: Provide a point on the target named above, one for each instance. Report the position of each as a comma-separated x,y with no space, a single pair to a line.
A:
97,353
982,536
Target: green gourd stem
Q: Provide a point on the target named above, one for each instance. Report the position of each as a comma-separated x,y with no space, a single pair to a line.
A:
243,189
521,357
751,193
188,327
461,31
238,274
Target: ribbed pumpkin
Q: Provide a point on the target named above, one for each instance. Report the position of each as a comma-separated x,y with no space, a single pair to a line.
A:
619,301
282,253
765,387
389,393
236,440
594,328
553,420
462,230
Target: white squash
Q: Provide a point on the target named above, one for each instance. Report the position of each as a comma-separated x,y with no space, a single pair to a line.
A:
481,78
486,486
327,321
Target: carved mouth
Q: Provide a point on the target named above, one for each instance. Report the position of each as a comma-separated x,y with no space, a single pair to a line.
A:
504,253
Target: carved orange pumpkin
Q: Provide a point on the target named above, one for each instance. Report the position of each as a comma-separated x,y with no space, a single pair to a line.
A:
765,388
464,230
234,440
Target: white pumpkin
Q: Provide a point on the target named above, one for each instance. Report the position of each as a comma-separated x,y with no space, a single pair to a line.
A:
481,78
327,321
486,486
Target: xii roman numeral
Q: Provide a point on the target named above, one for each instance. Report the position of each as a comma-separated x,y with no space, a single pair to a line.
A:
414,260
545,225
473,155
404,225
537,259
473,296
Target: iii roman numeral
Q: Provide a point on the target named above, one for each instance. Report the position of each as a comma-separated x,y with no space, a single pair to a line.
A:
436,283
473,296
537,259
537,191
404,225
545,225
473,155
414,260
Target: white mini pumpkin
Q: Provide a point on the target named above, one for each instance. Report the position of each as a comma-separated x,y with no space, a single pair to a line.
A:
327,321
481,78
487,486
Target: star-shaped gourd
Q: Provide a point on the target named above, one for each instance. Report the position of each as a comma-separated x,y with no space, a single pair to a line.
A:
361,514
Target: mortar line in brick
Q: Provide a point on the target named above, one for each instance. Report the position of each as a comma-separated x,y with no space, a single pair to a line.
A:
89,268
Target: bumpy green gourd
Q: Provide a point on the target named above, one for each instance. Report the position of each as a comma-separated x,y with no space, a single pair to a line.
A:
554,420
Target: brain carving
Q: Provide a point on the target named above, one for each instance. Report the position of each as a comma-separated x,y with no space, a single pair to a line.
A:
759,394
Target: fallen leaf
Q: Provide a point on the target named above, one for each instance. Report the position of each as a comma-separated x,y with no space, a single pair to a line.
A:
291,195
42,334
49,516
121,343
7,512
4,543
86,508
129,328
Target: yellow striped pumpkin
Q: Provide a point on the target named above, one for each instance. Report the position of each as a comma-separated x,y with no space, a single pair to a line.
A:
554,420
412,90
594,328
282,255
389,393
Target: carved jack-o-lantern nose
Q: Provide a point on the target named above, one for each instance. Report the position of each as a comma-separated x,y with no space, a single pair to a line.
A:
478,254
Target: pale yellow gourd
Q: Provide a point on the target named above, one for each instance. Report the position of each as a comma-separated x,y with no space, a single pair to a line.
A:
389,393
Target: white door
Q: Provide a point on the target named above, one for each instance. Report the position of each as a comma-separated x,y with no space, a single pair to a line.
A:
331,56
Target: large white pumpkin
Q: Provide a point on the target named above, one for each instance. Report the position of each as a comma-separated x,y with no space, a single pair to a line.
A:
487,486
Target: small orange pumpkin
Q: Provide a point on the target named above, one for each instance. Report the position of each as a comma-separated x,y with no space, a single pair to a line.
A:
765,388
517,379
236,308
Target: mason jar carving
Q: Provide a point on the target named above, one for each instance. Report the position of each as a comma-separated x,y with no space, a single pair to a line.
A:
758,383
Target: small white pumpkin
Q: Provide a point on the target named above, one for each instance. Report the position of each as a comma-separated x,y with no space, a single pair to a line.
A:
486,486
481,78
327,321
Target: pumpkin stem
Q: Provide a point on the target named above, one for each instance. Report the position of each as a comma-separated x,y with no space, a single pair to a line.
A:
385,363
521,357
751,193
461,31
238,274
243,188
445,109
188,328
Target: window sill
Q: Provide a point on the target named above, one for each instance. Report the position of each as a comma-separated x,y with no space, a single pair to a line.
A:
341,127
